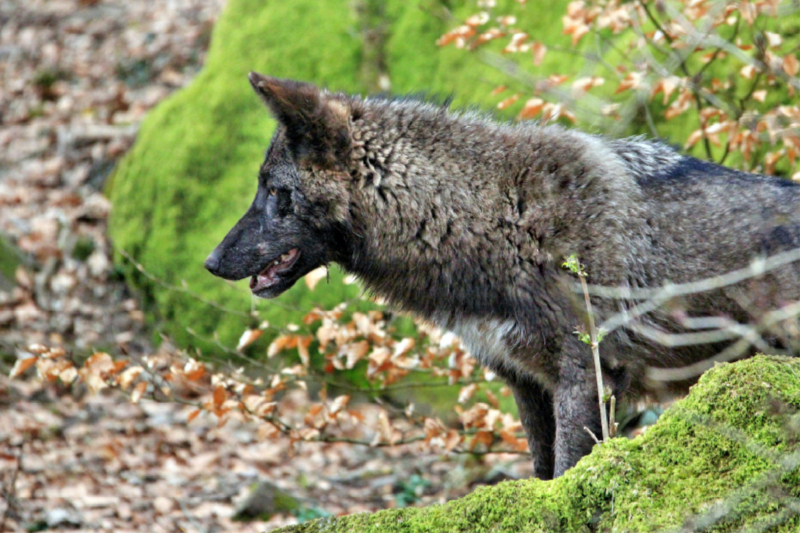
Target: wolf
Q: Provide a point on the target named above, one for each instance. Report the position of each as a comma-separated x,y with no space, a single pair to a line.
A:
466,221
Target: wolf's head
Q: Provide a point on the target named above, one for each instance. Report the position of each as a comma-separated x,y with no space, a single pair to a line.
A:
298,220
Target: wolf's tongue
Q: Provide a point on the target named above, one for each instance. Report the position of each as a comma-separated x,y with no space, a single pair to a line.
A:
269,275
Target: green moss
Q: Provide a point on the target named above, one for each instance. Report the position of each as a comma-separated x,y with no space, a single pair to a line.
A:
718,449
10,259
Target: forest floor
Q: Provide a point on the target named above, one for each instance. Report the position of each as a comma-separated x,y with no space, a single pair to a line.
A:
76,78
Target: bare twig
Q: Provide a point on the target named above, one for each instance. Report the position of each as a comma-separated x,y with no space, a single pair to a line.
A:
598,369
591,434
574,265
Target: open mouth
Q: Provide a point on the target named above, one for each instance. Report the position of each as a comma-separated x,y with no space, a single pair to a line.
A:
275,271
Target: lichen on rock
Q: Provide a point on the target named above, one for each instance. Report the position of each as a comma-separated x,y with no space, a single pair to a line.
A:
726,458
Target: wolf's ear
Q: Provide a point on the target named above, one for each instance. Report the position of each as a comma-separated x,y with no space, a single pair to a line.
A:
317,124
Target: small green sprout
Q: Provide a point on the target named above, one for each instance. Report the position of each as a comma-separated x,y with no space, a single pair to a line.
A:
573,265
586,338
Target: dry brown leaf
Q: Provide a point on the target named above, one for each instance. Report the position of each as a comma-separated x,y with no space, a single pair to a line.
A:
98,363
219,396
773,39
302,349
194,370
519,445
538,50
467,392
667,86
532,108
508,20
314,277
482,437
748,71
127,377
138,391
508,101
355,352
118,365
338,404
492,398
281,342
68,375
248,337
403,347
632,81
21,365
517,43
313,316
791,65
479,19
95,382
313,411
584,84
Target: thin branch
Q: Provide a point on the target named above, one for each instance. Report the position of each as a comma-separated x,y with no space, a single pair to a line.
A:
598,369
757,267
734,351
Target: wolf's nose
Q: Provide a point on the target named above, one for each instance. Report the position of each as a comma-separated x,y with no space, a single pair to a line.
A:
212,262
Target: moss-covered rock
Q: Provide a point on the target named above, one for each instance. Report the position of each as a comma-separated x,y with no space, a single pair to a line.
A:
726,458
192,171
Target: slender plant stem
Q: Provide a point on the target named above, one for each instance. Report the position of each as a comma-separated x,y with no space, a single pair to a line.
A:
596,356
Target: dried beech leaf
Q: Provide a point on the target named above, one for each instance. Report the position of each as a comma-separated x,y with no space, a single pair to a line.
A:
315,276
138,391
220,395
508,101
21,365
338,404
791,65
281,342
248,337
482,437
467,392
127,377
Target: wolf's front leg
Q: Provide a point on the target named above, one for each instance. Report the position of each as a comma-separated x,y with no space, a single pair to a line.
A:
535,407
576,408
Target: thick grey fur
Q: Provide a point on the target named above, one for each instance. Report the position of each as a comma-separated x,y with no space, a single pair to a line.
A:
466,221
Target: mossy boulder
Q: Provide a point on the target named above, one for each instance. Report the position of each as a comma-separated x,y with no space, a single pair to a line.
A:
192,171
726,458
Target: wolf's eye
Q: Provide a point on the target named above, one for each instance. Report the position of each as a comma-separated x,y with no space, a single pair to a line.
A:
273,191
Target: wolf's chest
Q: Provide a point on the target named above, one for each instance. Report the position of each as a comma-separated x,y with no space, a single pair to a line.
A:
490,341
